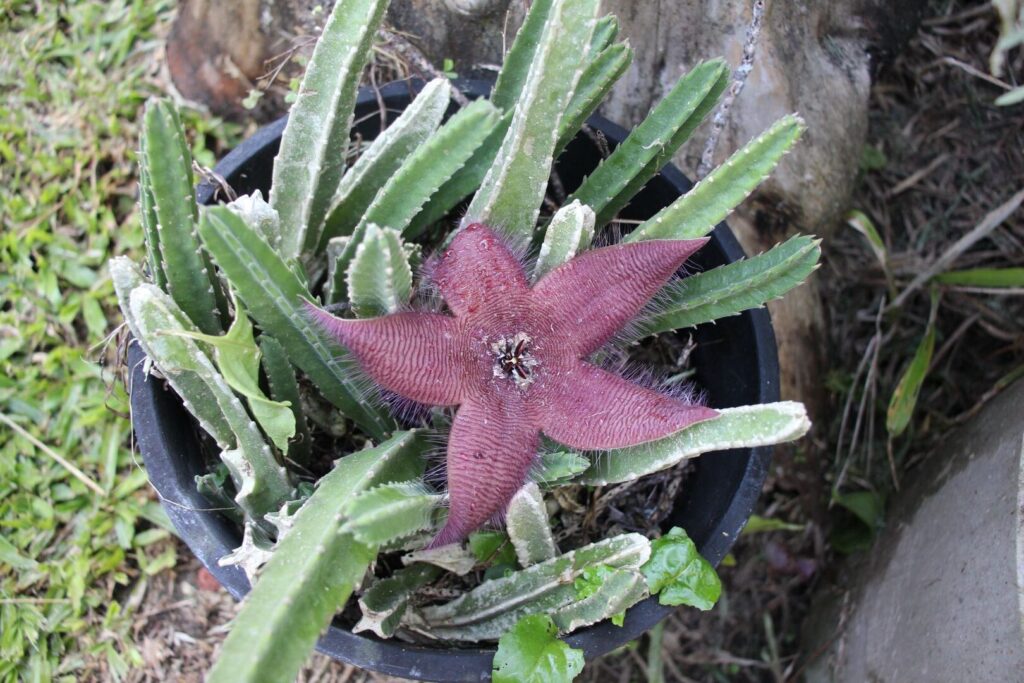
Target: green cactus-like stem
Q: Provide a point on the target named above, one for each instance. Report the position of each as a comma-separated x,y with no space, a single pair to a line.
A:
379,277
311,162
570,231
384,157
599,75
386,601
528,528
390,512
261,482
273,294
488,611
464,182
423,173
516,66
313,571
606,30
605,190
511,193
697,212
743,427
168,184
733,288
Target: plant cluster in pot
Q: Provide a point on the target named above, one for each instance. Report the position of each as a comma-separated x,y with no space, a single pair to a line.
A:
363,322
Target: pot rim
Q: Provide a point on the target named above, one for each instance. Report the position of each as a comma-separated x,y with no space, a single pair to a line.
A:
207,533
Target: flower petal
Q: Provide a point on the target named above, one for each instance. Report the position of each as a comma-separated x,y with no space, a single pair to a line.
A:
416,355
478,269
492,446
592,409
598,292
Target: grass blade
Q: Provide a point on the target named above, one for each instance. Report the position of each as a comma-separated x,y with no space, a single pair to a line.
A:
904,397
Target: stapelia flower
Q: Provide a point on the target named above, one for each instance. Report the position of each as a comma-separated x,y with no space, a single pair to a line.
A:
513,359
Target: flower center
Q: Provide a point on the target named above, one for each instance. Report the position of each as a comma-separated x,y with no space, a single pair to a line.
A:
513,359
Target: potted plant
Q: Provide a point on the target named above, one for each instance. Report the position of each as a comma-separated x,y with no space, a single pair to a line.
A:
321,484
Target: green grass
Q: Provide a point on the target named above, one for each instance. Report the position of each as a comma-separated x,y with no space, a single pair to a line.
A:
73,563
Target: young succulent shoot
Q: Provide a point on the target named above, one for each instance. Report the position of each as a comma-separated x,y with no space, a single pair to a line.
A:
513,358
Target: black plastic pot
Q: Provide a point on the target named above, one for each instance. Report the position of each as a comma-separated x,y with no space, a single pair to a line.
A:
736,363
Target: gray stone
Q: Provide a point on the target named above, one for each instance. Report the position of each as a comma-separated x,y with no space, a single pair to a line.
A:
941,595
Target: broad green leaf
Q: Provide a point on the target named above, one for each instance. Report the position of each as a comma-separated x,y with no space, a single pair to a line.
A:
384,157
733,288
697,212
511,193
168,183
526,521
604,189
312,572
273,294
379,277
904,397
386,600
995,278
532,653
678,573
570,231
311,162
743,427
238,359
391,511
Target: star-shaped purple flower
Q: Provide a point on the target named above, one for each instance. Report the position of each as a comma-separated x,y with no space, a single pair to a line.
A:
513,359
